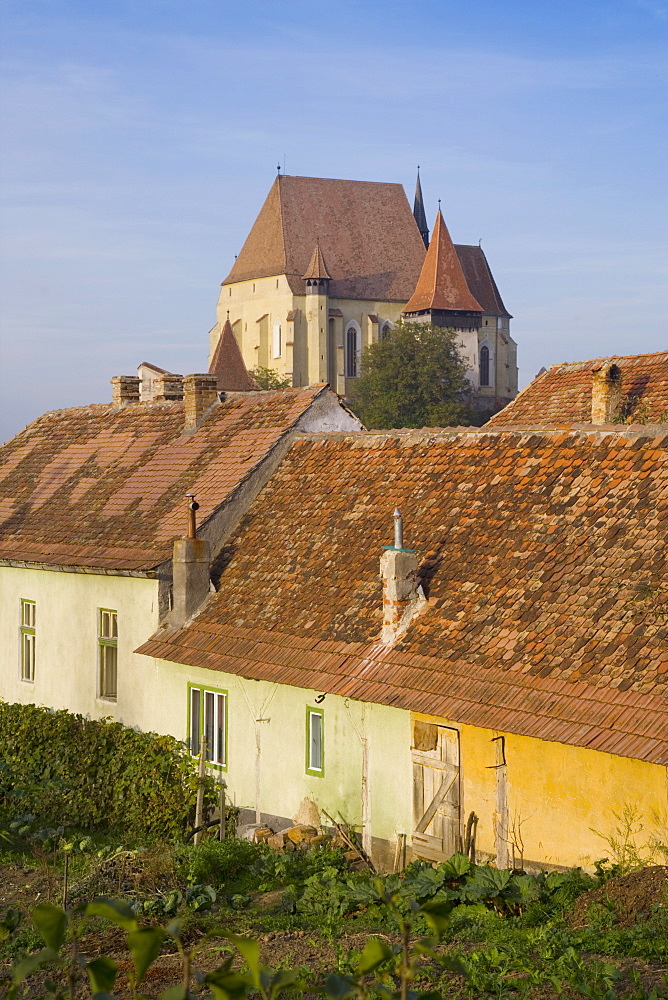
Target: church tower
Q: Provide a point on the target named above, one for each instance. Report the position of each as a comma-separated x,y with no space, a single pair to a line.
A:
419,212
317,279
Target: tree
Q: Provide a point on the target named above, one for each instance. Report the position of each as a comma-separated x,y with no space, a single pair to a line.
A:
414,377
268,378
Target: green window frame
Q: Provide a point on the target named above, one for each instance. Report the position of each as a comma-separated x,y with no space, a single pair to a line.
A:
107,653
27,640
207,714
315,742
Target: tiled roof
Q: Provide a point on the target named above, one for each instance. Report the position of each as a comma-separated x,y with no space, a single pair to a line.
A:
228,365
480,280
100,486
441,284
366,231
542,555
317,267
562,394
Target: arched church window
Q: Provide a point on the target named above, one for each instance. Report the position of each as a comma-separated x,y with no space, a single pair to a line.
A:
385,330
484,366
352,350
277,346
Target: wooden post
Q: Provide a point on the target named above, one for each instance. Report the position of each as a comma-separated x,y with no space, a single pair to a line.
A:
400,853
199,808
65,878
221,806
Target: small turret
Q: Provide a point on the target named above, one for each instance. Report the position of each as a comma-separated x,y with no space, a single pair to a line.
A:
317,279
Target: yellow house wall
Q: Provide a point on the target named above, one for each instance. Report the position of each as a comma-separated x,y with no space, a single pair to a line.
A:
66,639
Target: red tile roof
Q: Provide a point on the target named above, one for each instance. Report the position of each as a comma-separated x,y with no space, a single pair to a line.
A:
228,365
317,267
442,284
480,280
562,394
101,486
366,231
542,555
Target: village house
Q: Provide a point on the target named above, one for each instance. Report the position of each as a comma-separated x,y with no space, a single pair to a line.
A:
330,266
613,390
91,502
490,658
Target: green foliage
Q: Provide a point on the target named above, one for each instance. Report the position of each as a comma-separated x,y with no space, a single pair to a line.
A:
216,863
268,378
95,774
415,377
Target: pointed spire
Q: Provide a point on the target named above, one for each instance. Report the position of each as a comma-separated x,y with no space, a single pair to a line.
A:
227,364
419,212
441,285
317,268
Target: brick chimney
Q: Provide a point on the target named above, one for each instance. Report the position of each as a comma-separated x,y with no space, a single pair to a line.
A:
606,393
190,571
403,597
167,386
201,393
124,389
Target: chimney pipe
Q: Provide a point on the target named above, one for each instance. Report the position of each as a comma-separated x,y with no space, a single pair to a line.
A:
606,391
190,570
124,389
200,393
167,387
403,597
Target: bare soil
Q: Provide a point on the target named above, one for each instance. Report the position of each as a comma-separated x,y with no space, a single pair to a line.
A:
630,898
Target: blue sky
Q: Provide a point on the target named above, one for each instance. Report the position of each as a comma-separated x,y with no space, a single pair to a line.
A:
139,140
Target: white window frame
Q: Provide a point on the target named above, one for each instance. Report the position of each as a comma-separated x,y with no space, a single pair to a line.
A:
207,712
27,640
315,763
107,654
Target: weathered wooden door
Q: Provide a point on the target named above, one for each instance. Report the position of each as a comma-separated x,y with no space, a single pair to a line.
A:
435,751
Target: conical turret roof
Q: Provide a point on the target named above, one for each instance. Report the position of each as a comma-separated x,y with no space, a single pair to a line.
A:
228,365
442,284
317,267
419,213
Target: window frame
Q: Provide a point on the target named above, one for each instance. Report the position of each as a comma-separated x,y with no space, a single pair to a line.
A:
217,693
486,384
315,772
27,639
277,340
105,642
352,358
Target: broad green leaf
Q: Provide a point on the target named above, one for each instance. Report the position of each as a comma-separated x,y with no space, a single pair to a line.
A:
174,993
145,945
249,949
456,965
283,979
374,954
116,910
101,974
437,914
340,987
226,984
9,923
51,922
30,963
456,866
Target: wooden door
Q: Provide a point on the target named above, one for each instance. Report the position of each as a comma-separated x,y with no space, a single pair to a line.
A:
435,752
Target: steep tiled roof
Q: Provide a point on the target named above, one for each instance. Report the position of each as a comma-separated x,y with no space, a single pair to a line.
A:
480,280
542,556
317,267
101,486
441,284
562,394
228,365
366,231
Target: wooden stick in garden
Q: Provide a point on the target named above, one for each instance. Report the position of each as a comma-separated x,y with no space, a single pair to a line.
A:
65,877
199,808
221,806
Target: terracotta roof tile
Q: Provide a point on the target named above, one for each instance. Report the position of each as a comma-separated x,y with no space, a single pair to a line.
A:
112,480
480,280
563,393
544,617
441,284
228,365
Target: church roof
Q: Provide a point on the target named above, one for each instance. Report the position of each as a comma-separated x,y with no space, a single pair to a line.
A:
419,212
366,232
562,394
103,486
317,267
542,555
441,284
480,280
228,365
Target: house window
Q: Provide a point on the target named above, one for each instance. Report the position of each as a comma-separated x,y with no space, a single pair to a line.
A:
315,748
107,642
27,640
484,366
277,339
352,350
207,715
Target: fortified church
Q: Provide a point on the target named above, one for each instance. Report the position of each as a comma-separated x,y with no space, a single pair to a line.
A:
330,266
